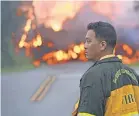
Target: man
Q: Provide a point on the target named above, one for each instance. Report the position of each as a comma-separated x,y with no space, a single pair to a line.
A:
108,88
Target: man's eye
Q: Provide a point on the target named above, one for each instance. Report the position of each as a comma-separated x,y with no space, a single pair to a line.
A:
88,41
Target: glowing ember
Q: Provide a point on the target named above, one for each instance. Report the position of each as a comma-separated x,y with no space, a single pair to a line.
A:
59,55
50,44
36,63
28,25
21,43
39,40
74,55
77,49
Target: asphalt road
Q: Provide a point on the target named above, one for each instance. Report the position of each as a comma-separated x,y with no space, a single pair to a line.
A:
18,88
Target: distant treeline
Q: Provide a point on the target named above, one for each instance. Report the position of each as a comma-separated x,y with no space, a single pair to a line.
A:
10,23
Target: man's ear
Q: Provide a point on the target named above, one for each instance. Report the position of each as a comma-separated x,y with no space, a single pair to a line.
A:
103,45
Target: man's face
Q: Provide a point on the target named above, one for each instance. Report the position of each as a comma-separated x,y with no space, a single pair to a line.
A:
92,46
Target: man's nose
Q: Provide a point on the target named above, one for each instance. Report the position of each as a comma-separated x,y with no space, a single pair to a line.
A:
85,45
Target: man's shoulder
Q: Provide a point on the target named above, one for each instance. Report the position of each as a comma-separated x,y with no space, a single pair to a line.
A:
97,70
92,75
130,69
93,70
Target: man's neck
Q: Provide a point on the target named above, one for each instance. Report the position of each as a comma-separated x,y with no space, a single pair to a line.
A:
107,56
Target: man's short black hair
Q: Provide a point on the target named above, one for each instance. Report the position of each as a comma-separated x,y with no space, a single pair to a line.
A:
104,31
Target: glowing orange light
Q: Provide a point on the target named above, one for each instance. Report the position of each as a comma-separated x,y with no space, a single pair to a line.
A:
76,49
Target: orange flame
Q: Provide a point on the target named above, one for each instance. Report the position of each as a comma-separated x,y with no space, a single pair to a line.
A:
50,44
36,63
21,43
53,14
77,52
39,40
127,49
60,55
77,49
28,25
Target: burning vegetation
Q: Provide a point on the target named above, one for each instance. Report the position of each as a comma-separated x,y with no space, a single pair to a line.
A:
52,16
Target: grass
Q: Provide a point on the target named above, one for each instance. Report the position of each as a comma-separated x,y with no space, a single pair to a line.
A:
134,64
17,68
29,67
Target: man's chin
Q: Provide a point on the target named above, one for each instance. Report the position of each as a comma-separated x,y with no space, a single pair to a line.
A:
90,59
86,56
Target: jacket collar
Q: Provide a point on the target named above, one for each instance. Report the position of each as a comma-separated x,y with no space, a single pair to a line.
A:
109,59
107,56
